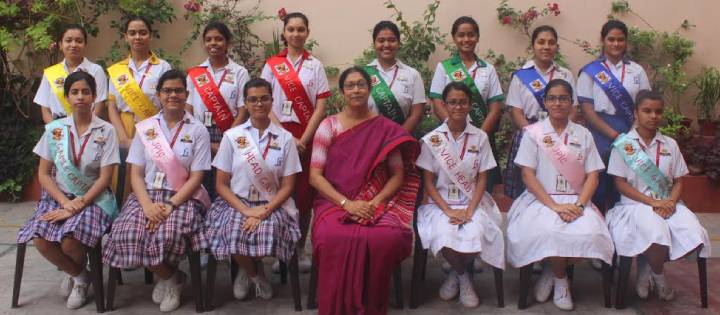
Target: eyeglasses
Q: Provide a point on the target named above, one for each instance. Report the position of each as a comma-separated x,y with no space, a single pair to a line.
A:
564,99
456,103
361,85
258,100
172,90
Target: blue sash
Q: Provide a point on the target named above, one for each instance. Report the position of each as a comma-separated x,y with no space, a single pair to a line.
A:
643,166
535,84
77,182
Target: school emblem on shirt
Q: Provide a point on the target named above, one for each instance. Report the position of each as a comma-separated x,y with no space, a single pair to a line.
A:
100,140
603,77
242,142
57,134
458,75
229,78
374,80
186,139
536,85
281,68
664,152
548,141
150,134
473,149
629,149
435,140
122,79
59,82
202,80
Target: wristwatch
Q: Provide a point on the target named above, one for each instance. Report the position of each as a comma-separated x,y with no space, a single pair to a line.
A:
579,205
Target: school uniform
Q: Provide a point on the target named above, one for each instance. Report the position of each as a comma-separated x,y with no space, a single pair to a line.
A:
535,231
47,98
520,96
483,233
129,243
634,225
405,83
100,150
278,233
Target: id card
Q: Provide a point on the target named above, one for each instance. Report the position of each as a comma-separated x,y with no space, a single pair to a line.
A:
287,108
542,115
158,182
561,184
207,119
453,192
253,194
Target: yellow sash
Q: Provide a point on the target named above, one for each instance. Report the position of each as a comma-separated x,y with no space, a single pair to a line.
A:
131,92
56,77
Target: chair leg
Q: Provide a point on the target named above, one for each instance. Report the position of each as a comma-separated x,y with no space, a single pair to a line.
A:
195,277
96,275
148,276
295,282
607,283
210,282
397,285
19,266
283,273
524,288
570,270
623,275
233,271
419,258
702,273
113,279
499,290
312,287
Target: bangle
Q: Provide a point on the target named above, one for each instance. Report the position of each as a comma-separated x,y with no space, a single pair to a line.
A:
342,203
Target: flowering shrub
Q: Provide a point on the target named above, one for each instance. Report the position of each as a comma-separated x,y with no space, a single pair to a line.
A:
523,20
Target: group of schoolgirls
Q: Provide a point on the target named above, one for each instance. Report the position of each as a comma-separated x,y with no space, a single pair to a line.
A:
258,134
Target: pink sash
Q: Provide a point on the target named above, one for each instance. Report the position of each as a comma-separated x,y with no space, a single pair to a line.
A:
165,160
570,165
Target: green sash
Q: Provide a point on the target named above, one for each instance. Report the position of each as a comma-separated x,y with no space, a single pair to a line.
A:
384,97
643,166
457,72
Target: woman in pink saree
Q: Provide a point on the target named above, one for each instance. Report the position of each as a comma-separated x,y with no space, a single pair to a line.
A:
363,167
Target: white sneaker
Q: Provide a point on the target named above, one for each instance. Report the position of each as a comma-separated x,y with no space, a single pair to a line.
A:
158,293
173,291
665,293
263,288
445,265
276,266
304,264
643,283
450,287
478,265
561,296
78,296
66,285
468,297
241,285
596,263
544,285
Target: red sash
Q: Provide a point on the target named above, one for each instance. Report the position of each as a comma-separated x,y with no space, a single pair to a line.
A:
211,97
293,88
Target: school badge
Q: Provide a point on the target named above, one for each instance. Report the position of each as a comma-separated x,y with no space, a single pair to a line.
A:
242,142
202,80
186,139
57,134
59,82
664,152
458,75
629,149
435,140
229,79
548,141
150,134
100,140
473,149
536,85
374,80
603,77
122,79
281,68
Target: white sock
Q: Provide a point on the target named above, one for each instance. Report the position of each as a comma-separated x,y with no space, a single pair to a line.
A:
561,282
81,278
464,277
659,278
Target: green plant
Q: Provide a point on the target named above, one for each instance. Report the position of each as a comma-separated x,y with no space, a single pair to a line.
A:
673,124
708,94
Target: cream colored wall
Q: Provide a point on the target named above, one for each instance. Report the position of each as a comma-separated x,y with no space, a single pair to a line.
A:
343,28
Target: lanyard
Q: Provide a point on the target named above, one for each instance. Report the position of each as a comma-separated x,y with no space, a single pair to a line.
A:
302,60
657,152
462,153
177,132
622,78
222,79
267,146
145,74
552,74
76,158
394,76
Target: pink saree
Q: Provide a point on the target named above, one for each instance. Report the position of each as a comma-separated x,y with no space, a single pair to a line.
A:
355,261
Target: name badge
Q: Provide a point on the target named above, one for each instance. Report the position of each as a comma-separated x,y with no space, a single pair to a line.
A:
287,108
207,119
253,194
453,192
561,184
542,115
158,182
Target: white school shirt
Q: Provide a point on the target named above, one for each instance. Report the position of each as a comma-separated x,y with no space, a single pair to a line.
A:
234,78
478,147
663,149
520,96
486,80
579,141
192,148
101,149
282,156
407,86
149,86
635,80
313,78
45,96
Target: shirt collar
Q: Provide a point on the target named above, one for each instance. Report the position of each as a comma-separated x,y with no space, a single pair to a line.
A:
231,64
469,128
377,65
531,64
187,117
624,60
95,123
305,54
154,59
272,128
547,127
480,63
633,134
83,66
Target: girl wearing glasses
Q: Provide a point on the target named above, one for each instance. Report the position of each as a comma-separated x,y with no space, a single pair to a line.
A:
254,215
553,221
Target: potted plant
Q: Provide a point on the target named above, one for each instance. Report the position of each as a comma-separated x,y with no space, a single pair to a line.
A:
706,99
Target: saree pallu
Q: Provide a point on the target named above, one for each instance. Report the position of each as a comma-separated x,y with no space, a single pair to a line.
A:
355,260
303,194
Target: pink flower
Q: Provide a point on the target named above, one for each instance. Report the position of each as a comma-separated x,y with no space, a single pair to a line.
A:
554,8
506,20
282,13
192,6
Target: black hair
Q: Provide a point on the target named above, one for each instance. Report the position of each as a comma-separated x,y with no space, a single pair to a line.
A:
73,27
612,25
256,83
287,18
220,27
456,86
464,20
385,25
136,18
79,76
558,82
543,28
347,72
644,95
172,74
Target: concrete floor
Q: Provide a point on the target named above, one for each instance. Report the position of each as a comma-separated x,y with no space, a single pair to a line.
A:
41,281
